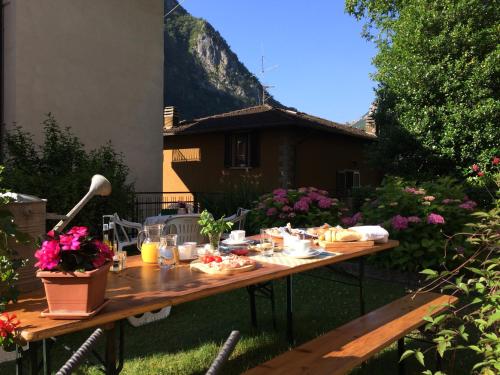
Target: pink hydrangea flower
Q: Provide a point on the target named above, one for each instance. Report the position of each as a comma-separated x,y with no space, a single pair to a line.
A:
399,222
79,231
469,205
69,242
325,203
48,255
271,211
280,199
314,196
286,208
435,219
414,219
429,198
280,192
301,205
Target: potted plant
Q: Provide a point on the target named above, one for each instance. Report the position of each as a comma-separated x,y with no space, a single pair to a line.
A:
213,228
73,268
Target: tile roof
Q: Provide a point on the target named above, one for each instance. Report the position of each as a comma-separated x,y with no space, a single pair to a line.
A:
262,116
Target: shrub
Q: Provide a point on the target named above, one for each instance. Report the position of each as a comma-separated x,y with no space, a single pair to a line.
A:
303,207
420,217
472,324
60,170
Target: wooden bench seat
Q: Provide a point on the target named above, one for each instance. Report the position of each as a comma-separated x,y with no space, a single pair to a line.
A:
346,347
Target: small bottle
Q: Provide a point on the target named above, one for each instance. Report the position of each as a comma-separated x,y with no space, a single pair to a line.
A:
111,235
105,234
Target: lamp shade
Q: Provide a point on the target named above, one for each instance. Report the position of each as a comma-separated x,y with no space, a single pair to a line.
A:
100,186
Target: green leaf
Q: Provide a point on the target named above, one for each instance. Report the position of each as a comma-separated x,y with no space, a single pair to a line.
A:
420,357
406,354
441,348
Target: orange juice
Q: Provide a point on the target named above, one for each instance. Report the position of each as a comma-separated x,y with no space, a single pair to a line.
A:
149,252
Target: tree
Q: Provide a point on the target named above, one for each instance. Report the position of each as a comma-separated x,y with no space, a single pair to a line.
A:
438,67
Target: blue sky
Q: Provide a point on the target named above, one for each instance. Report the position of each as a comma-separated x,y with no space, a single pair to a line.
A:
323,62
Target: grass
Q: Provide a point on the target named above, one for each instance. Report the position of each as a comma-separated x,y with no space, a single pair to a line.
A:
189,339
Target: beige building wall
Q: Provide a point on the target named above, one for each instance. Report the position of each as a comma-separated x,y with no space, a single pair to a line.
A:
97,65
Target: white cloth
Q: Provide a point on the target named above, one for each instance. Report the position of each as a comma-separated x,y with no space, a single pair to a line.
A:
372,233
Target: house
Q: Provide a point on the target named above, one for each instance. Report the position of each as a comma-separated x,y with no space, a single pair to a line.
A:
97,66
273,146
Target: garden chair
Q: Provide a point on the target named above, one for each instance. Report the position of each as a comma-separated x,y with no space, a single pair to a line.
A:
186,227
238,219
125,232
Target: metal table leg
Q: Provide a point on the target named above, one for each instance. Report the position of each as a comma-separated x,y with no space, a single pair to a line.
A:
361,285
253,309
19,360
33,357
289,309
46,356
401,350
110,358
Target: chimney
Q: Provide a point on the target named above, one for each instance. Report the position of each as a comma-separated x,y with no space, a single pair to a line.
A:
170,118
370,125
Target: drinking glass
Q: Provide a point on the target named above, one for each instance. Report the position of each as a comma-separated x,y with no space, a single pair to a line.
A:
167,257
266,243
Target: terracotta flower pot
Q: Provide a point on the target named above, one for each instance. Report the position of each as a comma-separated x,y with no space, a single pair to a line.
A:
74,294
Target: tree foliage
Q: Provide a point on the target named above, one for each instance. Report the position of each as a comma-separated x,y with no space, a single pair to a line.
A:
438,67
60,170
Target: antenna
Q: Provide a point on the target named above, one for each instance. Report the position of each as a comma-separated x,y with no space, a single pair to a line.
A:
264,85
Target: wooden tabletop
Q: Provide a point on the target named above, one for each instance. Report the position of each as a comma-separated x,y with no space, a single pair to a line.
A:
143,287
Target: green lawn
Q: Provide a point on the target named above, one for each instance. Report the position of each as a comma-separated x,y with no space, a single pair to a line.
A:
188,340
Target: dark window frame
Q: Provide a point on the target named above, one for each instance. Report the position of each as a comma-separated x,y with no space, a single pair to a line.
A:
252,152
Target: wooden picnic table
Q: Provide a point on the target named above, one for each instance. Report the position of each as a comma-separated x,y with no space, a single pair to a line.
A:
144,287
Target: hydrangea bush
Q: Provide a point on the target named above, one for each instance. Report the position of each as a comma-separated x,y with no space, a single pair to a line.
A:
303,207
421,217
74,250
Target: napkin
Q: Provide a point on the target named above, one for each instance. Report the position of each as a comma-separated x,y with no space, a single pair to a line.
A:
372,233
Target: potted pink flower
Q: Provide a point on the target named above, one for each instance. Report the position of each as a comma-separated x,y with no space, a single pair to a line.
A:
73,267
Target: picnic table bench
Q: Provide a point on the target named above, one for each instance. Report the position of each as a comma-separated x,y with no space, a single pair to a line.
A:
348,346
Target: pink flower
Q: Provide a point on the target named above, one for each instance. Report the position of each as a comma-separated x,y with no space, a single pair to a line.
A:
51,234
447,201
69,242
475,167
48,255
399,222
323,192
429,198
280,199
495,160
302,190
301,205
280,192
104,255
347,221
357,217
435,219
271,211
286,208
468,205
325,203
410,190
480,174
314,196
79,231
414,219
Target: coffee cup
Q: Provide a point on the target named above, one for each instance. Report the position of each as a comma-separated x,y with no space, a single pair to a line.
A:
192,246
237,235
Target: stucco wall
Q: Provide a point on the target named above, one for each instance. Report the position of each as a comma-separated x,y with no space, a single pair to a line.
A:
98,67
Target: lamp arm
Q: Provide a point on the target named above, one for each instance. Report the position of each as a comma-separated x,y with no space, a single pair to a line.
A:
70,215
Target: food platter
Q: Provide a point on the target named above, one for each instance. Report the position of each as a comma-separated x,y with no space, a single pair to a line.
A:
225,265
343,245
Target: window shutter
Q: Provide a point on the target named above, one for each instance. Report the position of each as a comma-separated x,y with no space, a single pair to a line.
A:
227,150
254,150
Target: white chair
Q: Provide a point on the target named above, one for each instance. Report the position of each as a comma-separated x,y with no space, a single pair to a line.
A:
186,227
125,233
238,219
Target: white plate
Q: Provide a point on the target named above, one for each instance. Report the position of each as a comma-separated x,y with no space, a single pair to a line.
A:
233,242
295,254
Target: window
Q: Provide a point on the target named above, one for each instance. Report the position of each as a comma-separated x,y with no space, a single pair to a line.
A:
242,150
347,180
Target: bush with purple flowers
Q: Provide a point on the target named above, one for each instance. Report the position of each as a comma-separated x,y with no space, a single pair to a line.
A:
420,217
303,207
